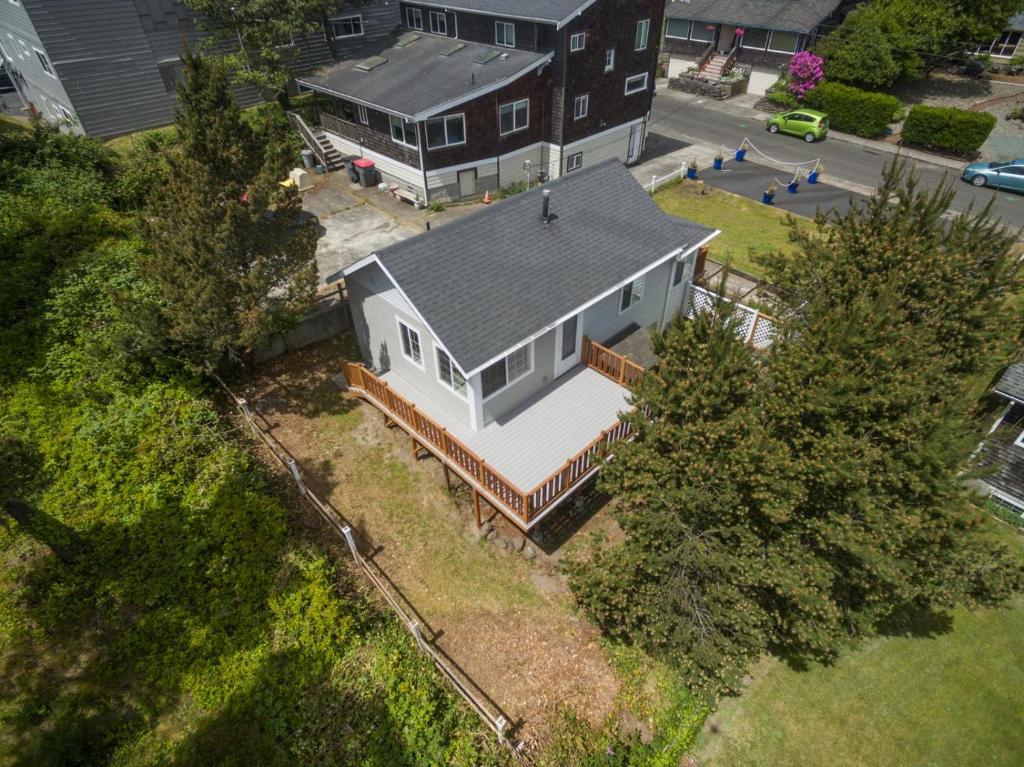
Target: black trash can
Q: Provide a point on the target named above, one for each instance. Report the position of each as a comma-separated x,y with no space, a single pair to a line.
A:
367,172
353,172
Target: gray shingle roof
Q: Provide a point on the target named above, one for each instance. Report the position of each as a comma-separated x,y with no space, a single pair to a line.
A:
1017,22
487,282
553,11
424,76
785,15
1001,458
1012,383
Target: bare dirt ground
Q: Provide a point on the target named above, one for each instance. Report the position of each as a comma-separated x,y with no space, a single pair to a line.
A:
508,623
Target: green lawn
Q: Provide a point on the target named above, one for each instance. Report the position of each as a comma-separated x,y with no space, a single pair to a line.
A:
952,698
748,227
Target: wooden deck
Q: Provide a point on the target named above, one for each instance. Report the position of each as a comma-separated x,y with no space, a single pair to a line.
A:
530,460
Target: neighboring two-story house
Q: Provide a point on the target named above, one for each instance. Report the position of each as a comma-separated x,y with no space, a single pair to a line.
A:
476,95
492,339
762,34
109,67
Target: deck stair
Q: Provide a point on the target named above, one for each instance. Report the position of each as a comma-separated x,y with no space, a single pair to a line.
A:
332,155
315,138
717,66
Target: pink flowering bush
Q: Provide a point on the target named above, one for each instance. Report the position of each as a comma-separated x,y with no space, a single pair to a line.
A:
806,70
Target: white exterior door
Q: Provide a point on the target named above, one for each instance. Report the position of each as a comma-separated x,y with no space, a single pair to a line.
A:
467,183
568,340
636,143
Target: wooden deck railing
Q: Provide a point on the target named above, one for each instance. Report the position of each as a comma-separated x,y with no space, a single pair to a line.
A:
507,497
615,366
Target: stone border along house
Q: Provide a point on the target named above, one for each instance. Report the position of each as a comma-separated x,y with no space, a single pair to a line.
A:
109,67
476,95
704,32
492,340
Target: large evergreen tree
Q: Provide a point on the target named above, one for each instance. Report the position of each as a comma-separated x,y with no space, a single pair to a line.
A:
791,500
231,258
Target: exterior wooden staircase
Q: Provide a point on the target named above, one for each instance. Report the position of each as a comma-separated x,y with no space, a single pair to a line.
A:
315,138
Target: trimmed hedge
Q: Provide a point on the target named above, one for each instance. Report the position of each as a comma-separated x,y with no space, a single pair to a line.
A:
851,110
947,128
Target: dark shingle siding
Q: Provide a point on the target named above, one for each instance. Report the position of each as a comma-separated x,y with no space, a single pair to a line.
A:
486,282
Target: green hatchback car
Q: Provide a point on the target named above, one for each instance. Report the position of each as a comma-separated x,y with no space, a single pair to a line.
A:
810,124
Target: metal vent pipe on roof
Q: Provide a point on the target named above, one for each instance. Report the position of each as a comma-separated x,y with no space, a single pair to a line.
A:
547,206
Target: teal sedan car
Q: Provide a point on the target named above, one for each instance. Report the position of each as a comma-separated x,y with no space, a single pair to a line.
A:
1005,174
809,124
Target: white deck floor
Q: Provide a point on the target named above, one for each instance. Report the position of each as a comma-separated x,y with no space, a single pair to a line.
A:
537,438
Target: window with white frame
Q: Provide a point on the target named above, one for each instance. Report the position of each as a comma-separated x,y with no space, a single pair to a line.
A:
757,39
1004,46
581,106
578,41
411,348
643,31
449,374
702,33
505,34
65,114
784,42
678,269
514,116
631,294
363,114
414,18
609,60
678,29
446,131
44,62
4,56
346,26
403,131
636,84
506,371
438,22
575,162
23,46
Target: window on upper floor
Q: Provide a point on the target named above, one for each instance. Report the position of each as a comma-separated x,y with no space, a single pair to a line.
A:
643,31
757,39
449,374
609,60
4,56
506,371
575,162
514,116
636,84
446,131
362,114
44,62
578,41
505,34
438,22
23,52
403,131
581,106
346,26
411,348
631,294
414,18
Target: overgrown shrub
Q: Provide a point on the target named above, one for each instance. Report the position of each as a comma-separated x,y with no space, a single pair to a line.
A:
851,110
947,128
784,99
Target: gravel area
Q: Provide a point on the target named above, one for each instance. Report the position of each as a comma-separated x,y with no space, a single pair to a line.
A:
1006,142
946,90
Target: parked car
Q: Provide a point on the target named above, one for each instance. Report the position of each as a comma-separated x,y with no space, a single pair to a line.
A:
1006,174
811,124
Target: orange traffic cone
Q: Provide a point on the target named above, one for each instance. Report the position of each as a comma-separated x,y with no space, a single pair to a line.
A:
487,197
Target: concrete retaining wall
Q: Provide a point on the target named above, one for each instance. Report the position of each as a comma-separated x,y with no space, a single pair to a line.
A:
325,320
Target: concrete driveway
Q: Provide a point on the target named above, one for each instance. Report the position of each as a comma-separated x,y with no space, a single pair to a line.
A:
351,227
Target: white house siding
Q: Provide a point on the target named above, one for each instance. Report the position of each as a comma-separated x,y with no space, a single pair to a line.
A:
376,306
542,374
391,170
610,143
19,37
603,320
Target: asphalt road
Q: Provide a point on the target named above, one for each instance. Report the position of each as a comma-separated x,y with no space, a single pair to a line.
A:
678,118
